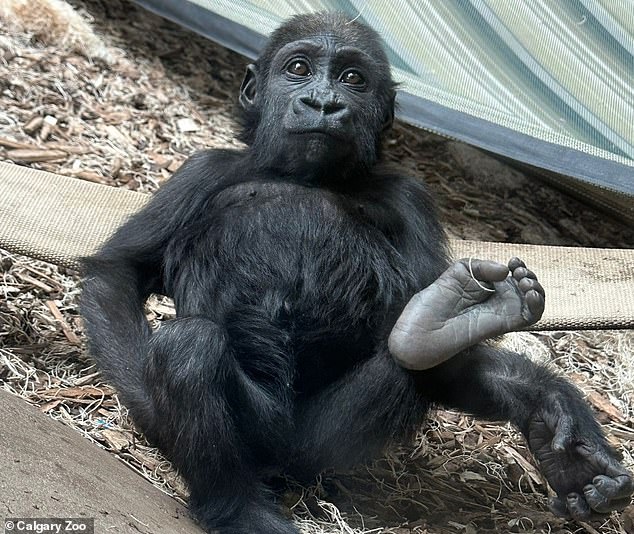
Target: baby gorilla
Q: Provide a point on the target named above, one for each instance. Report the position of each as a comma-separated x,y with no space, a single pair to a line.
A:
290,262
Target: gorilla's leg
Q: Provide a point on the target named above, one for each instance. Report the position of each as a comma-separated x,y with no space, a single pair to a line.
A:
458,310
200,395
355,417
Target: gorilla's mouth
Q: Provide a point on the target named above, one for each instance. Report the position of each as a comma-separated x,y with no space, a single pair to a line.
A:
335,133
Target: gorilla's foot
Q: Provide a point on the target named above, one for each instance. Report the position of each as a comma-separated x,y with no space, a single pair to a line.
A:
472,301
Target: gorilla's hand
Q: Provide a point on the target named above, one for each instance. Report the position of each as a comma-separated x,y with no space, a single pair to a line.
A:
578,463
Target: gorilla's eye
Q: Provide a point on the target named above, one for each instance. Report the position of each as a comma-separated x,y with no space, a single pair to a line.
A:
298,67
352,77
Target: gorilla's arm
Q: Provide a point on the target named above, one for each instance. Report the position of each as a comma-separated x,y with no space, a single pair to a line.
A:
114,290
121,275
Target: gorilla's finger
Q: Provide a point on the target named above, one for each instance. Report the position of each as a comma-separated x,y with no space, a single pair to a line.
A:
488,271
563,435
522,272
615,470
624,486
603,495
596,500
535,303
531,274
578,507
526,284
614,488
515,262
605,485
538,287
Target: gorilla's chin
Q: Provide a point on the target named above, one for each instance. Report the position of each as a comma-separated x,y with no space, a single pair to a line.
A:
322,148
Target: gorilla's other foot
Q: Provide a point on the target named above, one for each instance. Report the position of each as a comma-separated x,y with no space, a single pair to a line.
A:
458,311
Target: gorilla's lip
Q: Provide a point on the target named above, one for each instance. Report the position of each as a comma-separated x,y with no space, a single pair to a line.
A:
328,132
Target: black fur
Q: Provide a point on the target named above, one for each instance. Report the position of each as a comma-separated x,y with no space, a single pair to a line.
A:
288,273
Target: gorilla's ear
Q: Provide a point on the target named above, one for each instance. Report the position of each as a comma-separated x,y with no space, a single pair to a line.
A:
389,114
248,87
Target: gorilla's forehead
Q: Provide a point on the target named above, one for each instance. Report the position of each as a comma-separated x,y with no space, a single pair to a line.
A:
325,45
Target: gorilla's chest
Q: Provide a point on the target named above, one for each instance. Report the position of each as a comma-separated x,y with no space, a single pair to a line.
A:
289,229
280,208
306,248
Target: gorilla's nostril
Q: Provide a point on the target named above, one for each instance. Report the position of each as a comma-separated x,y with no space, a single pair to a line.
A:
326,105
311,102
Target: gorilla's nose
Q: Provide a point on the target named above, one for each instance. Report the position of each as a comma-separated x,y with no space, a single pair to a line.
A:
323,104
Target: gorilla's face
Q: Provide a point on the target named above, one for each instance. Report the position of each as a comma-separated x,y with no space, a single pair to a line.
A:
323,104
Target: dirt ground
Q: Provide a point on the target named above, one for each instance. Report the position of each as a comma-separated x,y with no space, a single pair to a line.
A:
122,98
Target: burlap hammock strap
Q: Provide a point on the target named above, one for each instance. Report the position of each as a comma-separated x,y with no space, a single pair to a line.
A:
59,219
